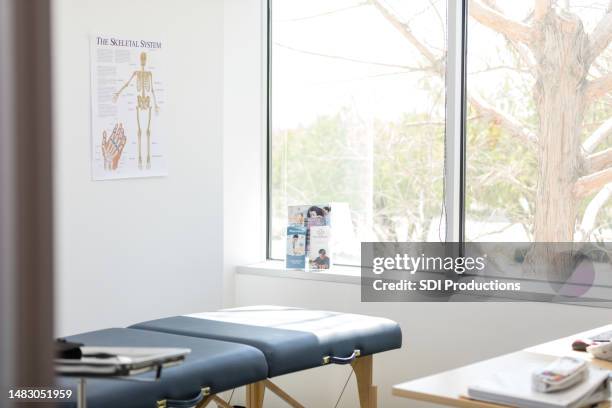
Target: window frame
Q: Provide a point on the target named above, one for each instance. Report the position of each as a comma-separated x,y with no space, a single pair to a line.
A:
268,119
455,138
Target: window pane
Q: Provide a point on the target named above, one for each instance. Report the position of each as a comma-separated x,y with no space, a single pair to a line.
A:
358,117
537,169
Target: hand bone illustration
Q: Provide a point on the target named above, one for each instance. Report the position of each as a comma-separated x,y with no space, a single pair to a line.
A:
112,147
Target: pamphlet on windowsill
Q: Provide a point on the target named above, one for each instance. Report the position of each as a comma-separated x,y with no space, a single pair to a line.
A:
309,237
296,247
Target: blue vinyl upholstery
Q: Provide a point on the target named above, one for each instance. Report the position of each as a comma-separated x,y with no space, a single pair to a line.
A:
291,339
211,363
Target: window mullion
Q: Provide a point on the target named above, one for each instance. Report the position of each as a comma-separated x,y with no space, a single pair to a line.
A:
454,168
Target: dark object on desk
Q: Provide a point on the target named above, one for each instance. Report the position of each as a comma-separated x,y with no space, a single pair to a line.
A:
68,349
581,345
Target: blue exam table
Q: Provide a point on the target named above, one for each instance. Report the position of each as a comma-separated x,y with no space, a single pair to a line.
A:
243,347
291,339
211,367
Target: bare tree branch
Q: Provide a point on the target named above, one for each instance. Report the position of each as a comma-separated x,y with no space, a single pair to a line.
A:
512,125
602,132
593,182
324,14
541,8
349,59
597,88
496,21
599,161
405,30
524,54
601,36
590,213
500,174
500,67
441,20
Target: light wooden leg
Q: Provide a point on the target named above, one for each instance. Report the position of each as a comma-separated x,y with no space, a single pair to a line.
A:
282,394
220,403
363,367
205,401
255,394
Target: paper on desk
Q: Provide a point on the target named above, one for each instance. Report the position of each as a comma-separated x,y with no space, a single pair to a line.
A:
514,388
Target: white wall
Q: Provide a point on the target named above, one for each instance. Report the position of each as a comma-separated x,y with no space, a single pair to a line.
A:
244,148
138,249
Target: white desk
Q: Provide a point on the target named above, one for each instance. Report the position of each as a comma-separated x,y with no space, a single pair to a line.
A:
450,387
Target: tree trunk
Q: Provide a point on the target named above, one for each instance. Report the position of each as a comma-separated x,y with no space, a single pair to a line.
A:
560,47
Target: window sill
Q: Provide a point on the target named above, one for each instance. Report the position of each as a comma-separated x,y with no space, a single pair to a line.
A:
276,269
352,275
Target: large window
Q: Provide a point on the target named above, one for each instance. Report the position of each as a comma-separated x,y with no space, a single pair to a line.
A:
357,116
539,127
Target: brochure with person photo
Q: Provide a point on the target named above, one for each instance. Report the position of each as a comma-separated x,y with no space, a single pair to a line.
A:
296,247
296,214
318,215
319,254
310,217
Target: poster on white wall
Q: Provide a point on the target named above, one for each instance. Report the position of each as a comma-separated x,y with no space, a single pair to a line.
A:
128,94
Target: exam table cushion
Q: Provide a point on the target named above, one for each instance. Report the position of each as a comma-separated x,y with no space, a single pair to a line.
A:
216,364
292,339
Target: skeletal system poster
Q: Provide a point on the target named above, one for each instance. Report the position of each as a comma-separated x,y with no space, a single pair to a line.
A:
128,97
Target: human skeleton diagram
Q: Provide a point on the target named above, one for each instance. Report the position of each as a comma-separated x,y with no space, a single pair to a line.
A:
145,90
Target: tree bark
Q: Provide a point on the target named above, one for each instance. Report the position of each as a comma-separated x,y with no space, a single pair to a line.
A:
563,55
559,47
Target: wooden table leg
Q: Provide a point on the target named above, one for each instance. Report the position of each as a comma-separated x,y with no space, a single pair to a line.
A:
204,403
255,394
292,402
220,402
363,367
